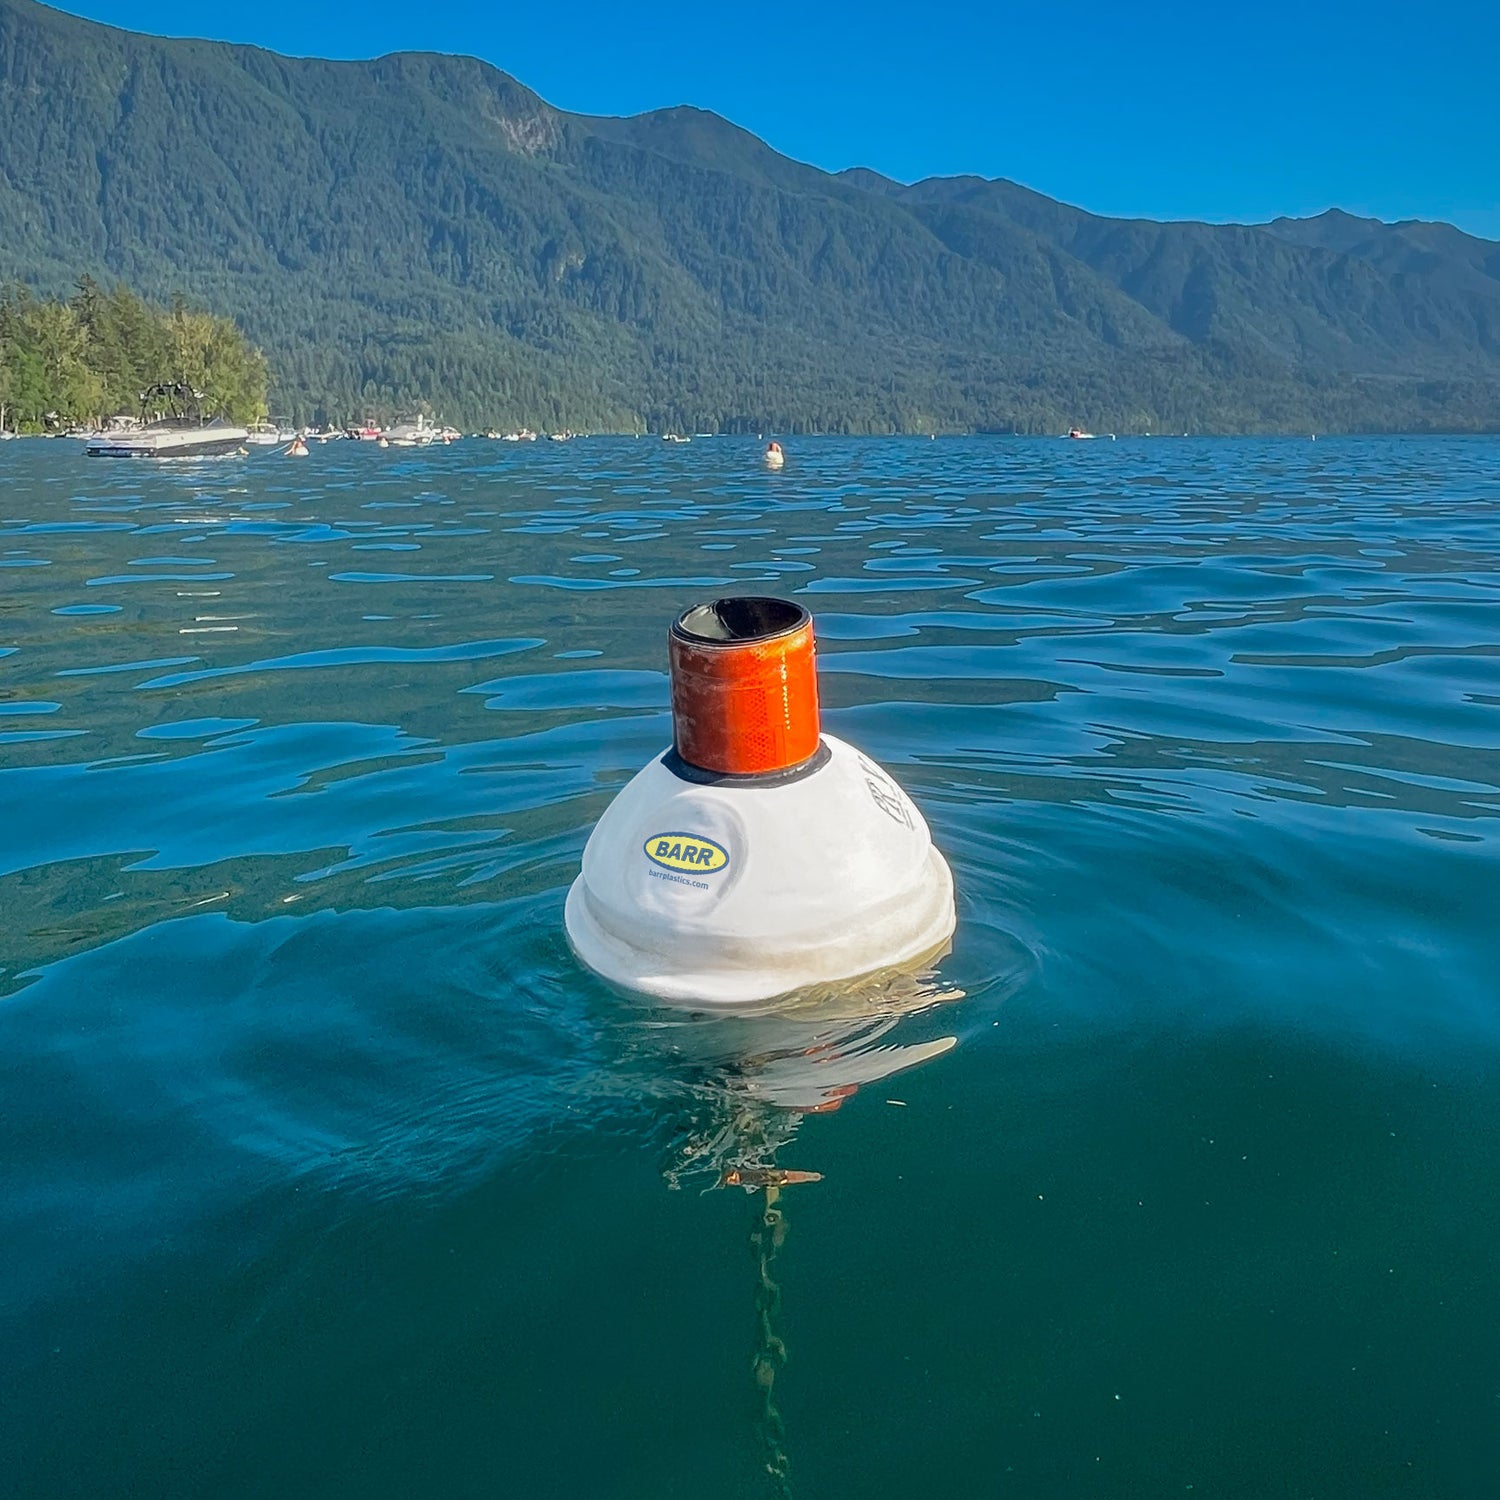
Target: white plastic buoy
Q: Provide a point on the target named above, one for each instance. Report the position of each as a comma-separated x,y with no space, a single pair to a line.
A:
757,856
774,456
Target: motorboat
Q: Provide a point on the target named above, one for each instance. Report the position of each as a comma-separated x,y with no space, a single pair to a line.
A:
414,434
175,427
264,435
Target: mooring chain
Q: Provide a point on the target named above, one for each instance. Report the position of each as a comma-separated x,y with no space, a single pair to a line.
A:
770,1351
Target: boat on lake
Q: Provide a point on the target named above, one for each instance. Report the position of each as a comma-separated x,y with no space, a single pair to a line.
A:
417,433
175,427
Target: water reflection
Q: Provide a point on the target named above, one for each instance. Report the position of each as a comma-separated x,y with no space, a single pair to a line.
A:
745,1081
739,1085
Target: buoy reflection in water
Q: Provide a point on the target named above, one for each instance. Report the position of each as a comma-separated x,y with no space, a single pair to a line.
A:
745,1081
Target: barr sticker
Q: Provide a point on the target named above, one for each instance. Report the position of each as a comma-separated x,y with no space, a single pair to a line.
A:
686,851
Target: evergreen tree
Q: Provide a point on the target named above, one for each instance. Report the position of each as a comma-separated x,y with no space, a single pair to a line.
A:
81,361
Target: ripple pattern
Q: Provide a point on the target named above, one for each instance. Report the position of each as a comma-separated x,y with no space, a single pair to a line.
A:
311,1125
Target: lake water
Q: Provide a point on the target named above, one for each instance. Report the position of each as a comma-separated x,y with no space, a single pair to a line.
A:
325,1172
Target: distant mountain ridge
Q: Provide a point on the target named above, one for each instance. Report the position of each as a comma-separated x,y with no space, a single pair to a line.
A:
423,229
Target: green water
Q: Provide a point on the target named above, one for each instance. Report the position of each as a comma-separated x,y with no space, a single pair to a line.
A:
325,1172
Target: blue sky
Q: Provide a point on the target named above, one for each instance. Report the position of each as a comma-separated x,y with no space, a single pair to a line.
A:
1169,110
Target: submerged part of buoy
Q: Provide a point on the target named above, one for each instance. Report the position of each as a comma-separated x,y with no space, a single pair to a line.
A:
757,857
774,456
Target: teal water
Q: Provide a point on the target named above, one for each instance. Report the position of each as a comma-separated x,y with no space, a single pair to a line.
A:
324,1172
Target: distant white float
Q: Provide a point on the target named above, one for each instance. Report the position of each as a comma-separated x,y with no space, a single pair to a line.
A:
775,458
758,857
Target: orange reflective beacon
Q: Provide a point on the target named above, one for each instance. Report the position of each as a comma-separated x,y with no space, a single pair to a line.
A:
744,686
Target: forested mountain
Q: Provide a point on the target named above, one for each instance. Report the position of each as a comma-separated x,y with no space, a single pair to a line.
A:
425,230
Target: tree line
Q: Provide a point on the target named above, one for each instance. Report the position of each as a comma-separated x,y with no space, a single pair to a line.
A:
82,360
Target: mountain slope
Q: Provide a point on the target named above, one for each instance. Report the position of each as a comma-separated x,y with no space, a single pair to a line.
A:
425,229
1371,299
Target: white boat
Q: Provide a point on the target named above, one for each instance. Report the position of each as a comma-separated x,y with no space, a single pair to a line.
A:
415,434
264,435
177,429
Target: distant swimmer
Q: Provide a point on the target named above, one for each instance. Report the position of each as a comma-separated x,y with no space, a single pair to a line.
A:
382,441
774,456
297,449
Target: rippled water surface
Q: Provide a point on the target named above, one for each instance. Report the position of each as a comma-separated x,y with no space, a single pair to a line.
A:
324,1171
